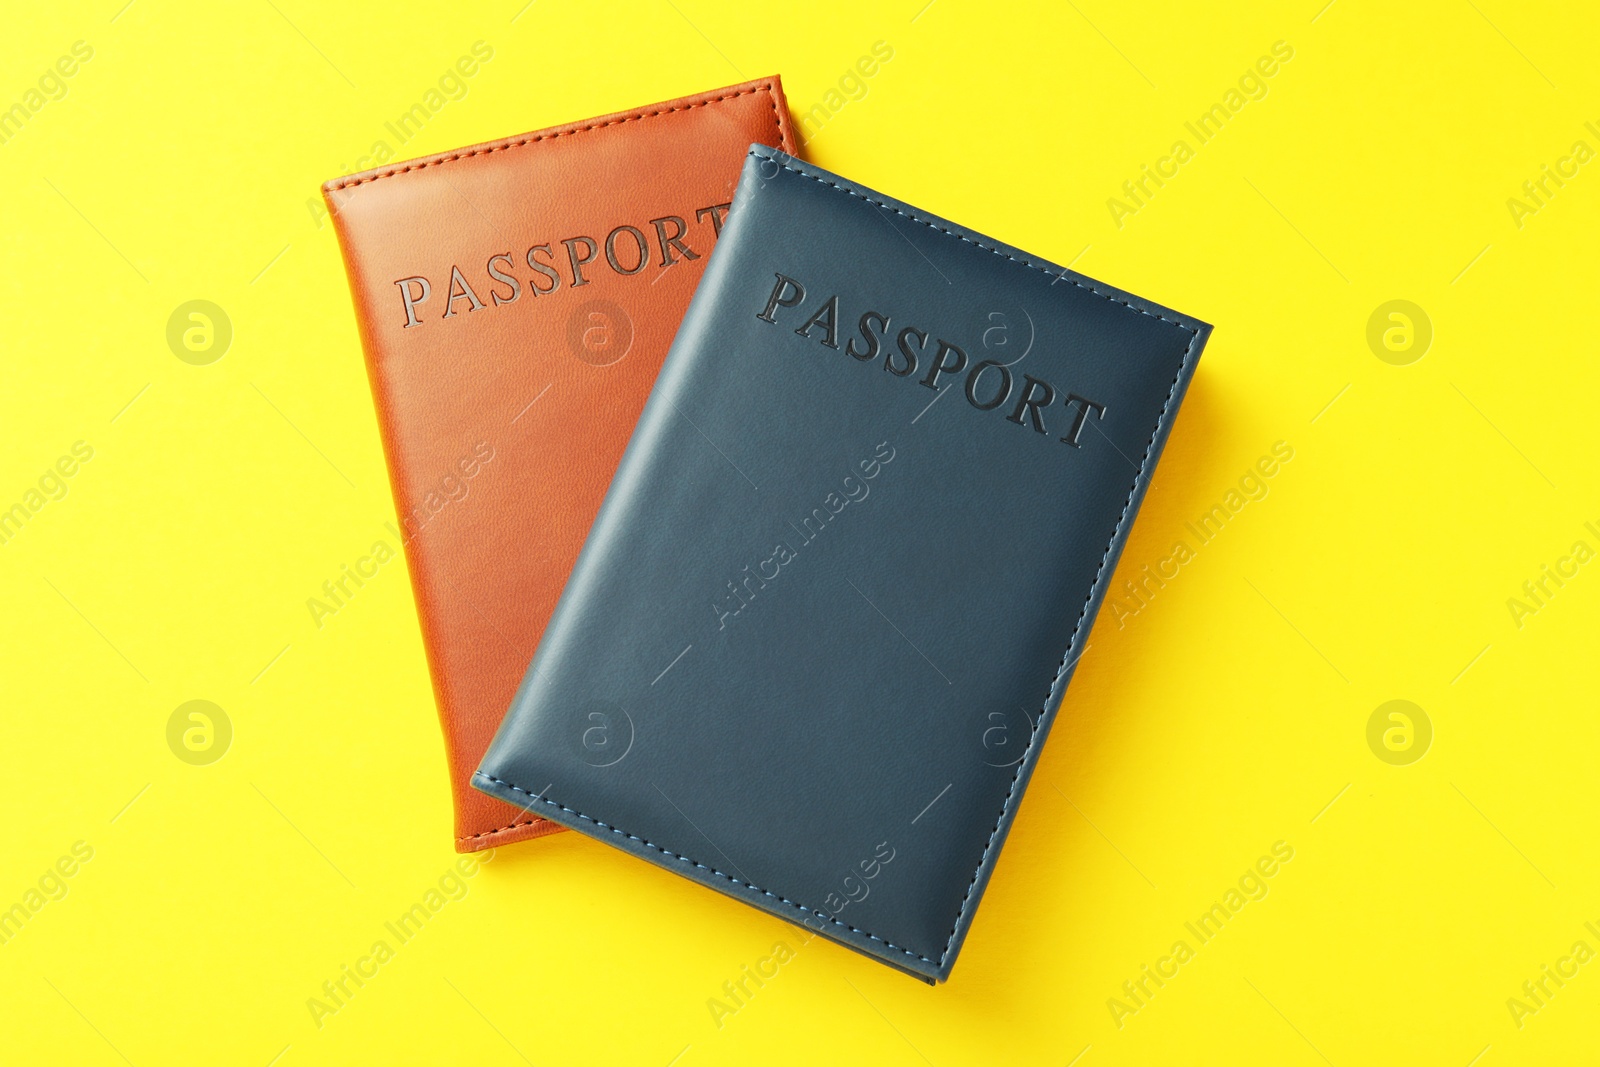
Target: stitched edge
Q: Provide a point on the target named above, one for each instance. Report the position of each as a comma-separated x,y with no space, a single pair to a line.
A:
1072,641
701,866
535,821
1100,573
532,138
1062,275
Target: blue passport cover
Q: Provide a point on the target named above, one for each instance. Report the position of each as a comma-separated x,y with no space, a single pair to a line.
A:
829,608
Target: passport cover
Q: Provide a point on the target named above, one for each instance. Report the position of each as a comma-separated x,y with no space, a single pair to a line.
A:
827,613
515,300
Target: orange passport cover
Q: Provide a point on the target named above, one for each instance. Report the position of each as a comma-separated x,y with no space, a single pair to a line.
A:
515,301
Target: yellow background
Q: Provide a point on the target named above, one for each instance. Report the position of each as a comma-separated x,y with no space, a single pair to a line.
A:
1228,714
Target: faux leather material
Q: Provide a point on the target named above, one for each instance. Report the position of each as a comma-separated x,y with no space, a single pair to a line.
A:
506,389
828,611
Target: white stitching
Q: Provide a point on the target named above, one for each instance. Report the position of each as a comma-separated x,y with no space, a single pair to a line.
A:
1071,641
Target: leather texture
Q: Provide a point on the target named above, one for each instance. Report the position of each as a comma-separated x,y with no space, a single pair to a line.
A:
825,618
515,300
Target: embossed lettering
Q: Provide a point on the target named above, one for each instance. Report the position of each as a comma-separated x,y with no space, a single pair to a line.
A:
611,250
577,263
872,339
826,316
673,242
494,294
505,287
1035,395
546,269
985,391
1085,406
466,293
905,350
411,301
717,213
972,385
779,300
942,365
